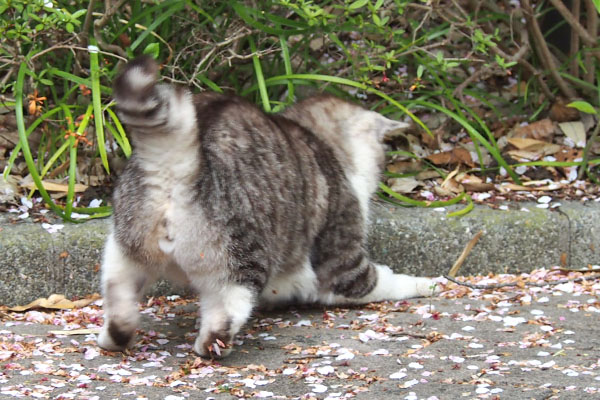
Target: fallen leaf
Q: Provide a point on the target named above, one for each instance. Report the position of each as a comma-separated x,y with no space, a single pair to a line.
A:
73,332
568,154
574,131
532,144
559,112
513,186
53,186
458,155
531,149
403,167
542,129
56,301
473,183
403,185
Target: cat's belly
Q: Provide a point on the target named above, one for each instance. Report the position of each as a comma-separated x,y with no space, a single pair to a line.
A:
182,236
300,286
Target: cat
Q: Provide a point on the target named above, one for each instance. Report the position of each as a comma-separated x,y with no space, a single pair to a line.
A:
245,207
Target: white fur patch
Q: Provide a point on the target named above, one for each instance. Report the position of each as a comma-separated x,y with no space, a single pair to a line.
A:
121,280
138,79
229,307
390,286
300,286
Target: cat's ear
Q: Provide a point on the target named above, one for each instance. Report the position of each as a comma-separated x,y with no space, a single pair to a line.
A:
384,126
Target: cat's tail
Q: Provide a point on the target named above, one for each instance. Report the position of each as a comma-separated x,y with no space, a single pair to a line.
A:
141,102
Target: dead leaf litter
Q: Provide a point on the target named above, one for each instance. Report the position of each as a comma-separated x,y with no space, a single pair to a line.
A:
473,343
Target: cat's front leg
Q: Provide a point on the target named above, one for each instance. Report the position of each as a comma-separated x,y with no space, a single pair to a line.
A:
123,281
222,314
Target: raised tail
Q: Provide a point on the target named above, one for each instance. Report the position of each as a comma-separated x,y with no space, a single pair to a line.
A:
141,101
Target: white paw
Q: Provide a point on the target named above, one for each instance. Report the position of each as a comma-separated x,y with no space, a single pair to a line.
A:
426,287
106,341
212,347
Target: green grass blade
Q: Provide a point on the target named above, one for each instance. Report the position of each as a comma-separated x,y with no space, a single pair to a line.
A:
35,124
120,134
177,5
98,115
72,173
419,203
78,80
287,63
465,210
73,160
245,14
347,82
25,144
200,11
213,86
473,133
262,87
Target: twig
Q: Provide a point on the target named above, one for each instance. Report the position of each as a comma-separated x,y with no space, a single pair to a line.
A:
512,284
291,359
561,212
574,45
7,76
108,12
73,47
586,151
464,254
592,26
575,25
85,30
544,52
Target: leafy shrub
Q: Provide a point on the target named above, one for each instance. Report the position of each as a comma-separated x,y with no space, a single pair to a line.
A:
401,57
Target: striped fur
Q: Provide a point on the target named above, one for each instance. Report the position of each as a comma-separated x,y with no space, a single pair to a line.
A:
245,207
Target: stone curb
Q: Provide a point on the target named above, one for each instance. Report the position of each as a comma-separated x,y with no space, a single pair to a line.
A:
417,241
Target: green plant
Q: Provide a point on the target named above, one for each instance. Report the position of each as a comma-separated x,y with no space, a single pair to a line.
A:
403,58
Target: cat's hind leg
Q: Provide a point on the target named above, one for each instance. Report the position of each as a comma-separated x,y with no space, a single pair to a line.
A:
370,282
392,286
347,276
223,311
123,282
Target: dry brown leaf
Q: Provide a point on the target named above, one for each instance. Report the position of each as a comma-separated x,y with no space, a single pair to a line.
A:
531,149
542,129
568,154
403,185
403,167
513,187
474,183
532,144
53,187
72,332
559,112
57,302
428,174
458,155
523,155
574,131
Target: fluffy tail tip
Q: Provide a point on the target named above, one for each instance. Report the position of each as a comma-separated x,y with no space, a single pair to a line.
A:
137,78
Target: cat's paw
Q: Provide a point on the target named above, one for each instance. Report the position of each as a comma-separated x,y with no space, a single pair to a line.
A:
112,338
427,287
215,345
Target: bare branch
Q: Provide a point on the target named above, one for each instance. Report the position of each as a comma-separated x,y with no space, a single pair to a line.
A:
109,12
544,52
520,283
574,22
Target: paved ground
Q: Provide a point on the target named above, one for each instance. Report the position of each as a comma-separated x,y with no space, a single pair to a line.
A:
510,343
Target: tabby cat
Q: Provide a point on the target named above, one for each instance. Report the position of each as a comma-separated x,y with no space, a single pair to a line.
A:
246,208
